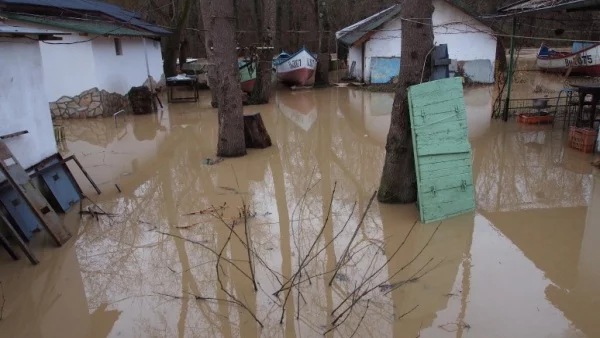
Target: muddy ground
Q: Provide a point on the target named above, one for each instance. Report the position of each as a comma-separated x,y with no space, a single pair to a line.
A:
524,265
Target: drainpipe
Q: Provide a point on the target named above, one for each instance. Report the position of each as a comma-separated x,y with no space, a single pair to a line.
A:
509,75
147,66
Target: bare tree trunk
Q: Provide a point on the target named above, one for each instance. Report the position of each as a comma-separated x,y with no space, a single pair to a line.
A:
266,12
212,77
231,117
399,181
174,40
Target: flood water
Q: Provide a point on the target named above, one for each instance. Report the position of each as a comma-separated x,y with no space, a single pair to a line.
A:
524,265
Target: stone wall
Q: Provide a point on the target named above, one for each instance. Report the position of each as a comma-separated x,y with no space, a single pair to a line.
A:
88,104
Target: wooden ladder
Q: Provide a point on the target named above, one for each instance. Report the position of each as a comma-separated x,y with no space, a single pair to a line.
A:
23,185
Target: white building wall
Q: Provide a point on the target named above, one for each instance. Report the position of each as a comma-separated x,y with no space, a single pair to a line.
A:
118,73
355,55
386,42
454,27
23,101
67,68
467,39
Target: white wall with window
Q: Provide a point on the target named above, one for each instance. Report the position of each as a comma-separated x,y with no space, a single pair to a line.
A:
120,63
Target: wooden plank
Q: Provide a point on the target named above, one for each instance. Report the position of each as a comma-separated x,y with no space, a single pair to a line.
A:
20,181
442,150
24,247
6,245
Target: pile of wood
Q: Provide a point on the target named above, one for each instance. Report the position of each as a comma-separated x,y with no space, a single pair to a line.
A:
140,99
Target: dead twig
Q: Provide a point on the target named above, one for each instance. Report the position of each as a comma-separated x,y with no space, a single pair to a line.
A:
207,210
343,257
361,319
248,244
218,265
458,325
205,247
408,312
308,254
188,226
366,292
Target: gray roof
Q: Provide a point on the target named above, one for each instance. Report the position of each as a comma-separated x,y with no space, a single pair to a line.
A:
77,6
538,6
351,34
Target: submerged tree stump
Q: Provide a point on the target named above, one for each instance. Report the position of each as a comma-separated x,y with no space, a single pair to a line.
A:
255,133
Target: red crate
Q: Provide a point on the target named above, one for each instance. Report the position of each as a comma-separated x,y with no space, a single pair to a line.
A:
530,118
583,139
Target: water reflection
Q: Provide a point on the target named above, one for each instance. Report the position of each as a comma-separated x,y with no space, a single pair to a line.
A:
524,265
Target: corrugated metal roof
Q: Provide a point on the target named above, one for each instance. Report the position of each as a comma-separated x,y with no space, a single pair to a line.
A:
77,25
538,6
93,6
17,30
351,34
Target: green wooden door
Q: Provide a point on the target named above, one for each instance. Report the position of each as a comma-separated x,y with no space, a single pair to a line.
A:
442,149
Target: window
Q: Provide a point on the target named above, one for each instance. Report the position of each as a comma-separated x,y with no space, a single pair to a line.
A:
118,47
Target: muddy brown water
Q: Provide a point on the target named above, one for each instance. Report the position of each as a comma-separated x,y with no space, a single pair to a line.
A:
524,265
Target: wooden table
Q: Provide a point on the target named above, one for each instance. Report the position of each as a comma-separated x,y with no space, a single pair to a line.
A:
188,81
585,90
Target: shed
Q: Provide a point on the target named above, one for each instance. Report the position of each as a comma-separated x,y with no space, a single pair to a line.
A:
23,104
90,72
374,44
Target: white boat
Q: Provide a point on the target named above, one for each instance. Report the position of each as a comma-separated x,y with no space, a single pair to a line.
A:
584,61
296,69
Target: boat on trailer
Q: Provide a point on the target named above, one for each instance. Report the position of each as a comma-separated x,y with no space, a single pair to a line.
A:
584,59
295,69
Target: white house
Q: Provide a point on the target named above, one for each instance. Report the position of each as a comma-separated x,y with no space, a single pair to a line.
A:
374,44
23,103
90,71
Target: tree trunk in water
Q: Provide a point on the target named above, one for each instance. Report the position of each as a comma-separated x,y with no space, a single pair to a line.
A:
212,76
399,181
266,11
231,117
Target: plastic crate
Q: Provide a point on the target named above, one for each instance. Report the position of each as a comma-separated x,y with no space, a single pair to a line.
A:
582,139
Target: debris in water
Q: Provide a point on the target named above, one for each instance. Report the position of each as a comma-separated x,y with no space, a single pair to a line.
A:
119,189
453,327
596,163
210,161
187,226
205,211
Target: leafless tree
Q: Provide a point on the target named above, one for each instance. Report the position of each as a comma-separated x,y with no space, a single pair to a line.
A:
398,182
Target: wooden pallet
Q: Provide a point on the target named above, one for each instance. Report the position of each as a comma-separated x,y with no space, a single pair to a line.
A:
22,183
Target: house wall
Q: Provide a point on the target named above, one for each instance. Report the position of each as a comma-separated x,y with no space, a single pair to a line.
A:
474,53
355,55
118,73
24,103
386,43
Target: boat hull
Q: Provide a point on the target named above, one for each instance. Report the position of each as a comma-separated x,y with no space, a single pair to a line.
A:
247,75
297,69
585,62
248,86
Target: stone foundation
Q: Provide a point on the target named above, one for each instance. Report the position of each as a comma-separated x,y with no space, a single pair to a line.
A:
88,104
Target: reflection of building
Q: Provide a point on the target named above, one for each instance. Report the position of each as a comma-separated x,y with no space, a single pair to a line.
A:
299,107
